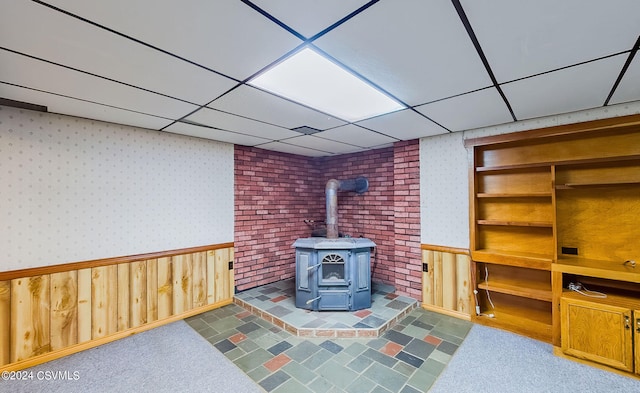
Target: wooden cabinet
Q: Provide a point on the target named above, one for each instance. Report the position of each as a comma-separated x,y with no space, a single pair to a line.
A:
553,206
598,207
601,330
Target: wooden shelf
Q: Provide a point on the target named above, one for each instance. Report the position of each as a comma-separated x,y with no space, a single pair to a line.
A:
520,259
504,311
570,186
521,195
513,168
599,160
530,322
538,224
611,299
522,288
598,268
520,167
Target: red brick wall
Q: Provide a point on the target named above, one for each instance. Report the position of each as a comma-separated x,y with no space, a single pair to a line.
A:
371,214
406,202
272,194
276,192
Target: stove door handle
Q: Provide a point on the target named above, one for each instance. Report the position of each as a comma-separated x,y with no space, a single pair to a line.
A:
313,267
313,300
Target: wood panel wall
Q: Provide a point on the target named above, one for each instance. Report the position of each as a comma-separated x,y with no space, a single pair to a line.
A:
446,285
46,313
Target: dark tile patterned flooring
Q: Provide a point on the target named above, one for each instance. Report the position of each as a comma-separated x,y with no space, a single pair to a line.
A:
407,357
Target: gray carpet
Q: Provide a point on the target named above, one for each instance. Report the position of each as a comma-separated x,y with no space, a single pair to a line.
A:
170,358
491,360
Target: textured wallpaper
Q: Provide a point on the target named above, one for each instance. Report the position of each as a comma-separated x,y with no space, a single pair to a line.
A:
444,184
73,189
444,197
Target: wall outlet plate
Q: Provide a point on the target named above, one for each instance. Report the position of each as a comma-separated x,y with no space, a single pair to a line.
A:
570,250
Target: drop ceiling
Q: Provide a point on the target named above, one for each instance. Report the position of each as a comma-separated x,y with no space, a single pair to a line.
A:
184,66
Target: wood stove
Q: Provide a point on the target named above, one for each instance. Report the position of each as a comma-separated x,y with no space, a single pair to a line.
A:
333,274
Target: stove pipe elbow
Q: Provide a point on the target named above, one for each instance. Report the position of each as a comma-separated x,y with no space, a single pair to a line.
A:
359,185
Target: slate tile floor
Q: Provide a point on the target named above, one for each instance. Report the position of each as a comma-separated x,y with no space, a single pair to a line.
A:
406,358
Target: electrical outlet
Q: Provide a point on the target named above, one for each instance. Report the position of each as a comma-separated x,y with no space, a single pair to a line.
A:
570,250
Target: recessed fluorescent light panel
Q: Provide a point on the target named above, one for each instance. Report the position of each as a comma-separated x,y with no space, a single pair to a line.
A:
315,81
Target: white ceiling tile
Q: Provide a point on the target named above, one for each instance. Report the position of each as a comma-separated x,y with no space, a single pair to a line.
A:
313,142
229,122
403,125
629,87
77,44
227,36
417,50
522,38
355,135
216,135
309,17
256,104
478,109
79,108
293,149
571,89
39,75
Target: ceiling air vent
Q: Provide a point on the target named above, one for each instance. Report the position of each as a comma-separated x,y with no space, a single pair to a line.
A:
306,130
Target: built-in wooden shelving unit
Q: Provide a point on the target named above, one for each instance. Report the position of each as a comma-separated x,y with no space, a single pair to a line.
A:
549,207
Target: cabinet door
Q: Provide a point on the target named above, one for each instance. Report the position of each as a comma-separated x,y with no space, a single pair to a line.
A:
636,338
598,332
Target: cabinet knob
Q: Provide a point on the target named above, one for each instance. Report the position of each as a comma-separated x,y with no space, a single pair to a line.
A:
638,325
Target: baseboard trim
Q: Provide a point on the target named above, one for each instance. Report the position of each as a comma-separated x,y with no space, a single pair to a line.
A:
440,310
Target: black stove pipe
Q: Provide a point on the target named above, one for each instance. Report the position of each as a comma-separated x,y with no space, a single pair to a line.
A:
359,185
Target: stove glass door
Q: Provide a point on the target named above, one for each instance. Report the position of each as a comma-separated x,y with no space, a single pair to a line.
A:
333,270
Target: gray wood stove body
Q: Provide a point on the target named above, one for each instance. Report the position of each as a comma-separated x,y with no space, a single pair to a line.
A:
333,274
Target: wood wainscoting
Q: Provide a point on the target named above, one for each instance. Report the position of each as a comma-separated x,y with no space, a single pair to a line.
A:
54,311
446,280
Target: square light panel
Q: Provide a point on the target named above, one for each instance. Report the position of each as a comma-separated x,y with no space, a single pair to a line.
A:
313,80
